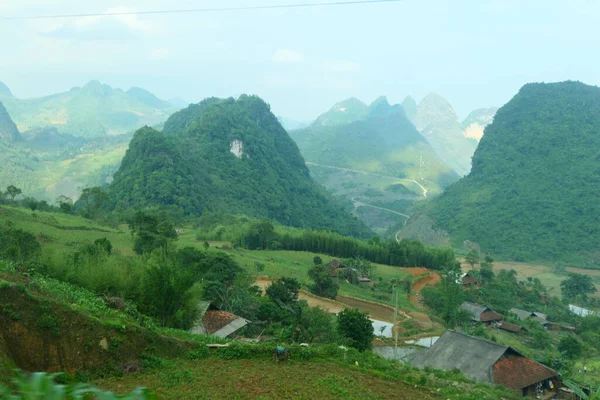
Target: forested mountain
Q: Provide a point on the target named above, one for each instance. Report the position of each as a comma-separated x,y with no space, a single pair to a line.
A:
438,122
228,156
475,123
533,191
90,111
8,129
380,140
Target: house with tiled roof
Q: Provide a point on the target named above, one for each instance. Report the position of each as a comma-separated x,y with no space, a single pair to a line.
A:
489,362
213,321
335,266
481,313
468,281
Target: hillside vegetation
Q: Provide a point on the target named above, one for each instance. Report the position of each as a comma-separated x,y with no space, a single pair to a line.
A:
378,140
229,156
533,190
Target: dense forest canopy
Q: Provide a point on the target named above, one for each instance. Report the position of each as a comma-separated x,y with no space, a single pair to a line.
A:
534,187
228,156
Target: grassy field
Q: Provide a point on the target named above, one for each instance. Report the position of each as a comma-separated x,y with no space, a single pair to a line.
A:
546,274
62,234
264,379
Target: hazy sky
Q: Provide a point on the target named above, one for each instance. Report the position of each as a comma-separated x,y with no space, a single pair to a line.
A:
474,53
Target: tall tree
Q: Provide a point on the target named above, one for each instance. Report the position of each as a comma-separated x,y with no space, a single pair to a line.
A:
577,286
356,327
324,284
472,257
13,191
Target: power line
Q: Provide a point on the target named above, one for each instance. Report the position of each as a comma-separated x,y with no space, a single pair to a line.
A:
204,10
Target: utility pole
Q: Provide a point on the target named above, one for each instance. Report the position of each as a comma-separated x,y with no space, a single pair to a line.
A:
395,328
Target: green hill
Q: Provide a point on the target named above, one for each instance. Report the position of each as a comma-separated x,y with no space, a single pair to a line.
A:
8,129
345,112
377,160
90,111
228,156
438,122
533,191
382,141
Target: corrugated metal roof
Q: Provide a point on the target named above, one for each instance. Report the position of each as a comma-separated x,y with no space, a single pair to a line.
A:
483,361
521,314
474,309
474,357
230,328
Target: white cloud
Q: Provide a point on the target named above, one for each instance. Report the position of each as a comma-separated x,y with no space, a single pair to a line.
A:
287,56
109,27
340,66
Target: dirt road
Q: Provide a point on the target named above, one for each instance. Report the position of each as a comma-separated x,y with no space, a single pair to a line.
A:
372,174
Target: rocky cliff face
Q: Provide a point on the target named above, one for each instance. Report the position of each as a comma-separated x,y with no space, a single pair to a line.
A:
438,122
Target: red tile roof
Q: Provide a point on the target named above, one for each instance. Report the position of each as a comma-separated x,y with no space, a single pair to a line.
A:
507,326
488,316
469,280
517,372
214,320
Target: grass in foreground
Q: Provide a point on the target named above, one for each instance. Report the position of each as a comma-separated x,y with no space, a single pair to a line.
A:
265,379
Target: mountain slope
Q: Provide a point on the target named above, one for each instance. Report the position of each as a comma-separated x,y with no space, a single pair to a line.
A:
379,162
533,191
383,141
410,108
228,156
8,129
91,111
475,123
5,91
438,122
345,112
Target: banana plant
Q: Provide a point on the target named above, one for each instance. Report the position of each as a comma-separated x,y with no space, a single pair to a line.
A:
42,386
594,392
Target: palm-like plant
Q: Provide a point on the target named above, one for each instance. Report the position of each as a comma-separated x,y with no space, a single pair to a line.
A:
42,386
594,392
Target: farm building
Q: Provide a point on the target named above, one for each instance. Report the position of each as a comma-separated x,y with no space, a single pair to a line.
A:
481,313
213,321
489,362
507,326
468,281
542,319
335,266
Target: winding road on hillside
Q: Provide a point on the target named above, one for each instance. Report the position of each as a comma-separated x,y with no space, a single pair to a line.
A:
372,174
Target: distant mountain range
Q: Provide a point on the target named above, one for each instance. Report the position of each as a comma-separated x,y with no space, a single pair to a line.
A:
93,110
532,194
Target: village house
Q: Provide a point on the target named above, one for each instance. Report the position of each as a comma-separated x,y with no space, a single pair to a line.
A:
335,266
468,281
542,319
512,328
489,362
213,321
481,313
